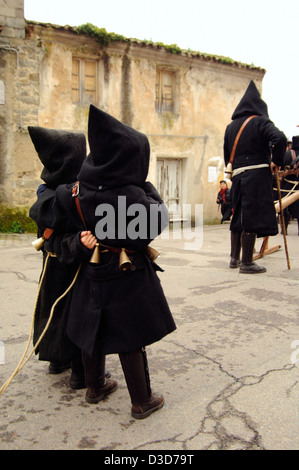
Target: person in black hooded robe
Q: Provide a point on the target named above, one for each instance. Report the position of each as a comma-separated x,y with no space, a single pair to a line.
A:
252,188
62,154
111,310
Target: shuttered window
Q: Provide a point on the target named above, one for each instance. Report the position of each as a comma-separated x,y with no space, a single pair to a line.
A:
84,81
165,81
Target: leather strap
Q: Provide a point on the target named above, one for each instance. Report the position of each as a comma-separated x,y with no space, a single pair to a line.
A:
75,194
114,249
47,233
232,156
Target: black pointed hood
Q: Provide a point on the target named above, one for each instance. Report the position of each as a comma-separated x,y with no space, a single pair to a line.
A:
251,103
119,155
61,152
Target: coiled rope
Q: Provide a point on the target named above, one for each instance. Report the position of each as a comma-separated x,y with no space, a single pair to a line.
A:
21,364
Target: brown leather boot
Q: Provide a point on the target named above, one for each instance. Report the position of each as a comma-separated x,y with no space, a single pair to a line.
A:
94,395
98,386
143,410
136,373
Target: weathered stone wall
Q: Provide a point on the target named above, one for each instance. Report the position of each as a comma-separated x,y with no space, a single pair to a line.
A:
19,77
12,19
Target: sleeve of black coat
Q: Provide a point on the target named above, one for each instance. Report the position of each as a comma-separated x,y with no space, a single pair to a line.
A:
42,211
55,209
157,206
276,140
68,248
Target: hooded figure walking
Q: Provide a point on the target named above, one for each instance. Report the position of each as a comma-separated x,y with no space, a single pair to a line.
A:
260,148
62,154
114,308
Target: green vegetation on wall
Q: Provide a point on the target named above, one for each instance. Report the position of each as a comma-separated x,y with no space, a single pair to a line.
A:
15,220
100,34
104,38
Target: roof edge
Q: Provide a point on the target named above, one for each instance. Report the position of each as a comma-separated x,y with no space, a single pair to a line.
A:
104,39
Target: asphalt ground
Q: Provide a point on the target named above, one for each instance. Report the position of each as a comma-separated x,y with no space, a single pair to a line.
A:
229,373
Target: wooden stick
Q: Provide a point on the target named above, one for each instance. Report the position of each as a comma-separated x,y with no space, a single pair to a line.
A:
282,222
265,250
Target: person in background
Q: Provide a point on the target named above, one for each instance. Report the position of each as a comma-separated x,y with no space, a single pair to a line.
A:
62,154
292,181
223,199
261,147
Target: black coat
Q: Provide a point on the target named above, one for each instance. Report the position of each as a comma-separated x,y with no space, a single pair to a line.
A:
59,272
125,310
55,345
252,190
62,154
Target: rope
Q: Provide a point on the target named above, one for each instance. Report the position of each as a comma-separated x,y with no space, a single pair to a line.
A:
288,191
21,364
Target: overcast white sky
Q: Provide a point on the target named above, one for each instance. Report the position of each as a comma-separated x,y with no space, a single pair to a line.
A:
260,32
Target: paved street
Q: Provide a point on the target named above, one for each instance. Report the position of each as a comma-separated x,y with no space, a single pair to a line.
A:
229,375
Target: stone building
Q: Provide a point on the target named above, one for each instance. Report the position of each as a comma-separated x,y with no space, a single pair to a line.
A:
182,100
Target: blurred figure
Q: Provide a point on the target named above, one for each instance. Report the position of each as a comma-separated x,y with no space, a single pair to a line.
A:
292,181
224,201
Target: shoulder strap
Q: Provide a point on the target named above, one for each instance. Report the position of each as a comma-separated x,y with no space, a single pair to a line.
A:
75,194
47,233
232,156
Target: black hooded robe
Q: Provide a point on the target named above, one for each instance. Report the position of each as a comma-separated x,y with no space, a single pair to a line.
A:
252,190
62,154
123,310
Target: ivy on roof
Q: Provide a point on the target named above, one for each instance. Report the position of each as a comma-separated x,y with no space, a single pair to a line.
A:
100,34
104,38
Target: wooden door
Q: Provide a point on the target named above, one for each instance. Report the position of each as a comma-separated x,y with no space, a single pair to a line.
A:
169,184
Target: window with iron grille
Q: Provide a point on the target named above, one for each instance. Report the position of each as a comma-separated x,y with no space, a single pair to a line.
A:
84,81
165,83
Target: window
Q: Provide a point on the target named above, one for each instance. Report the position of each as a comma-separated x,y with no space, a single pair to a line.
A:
165,82
84,80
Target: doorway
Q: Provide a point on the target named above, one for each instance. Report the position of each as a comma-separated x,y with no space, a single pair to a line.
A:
169,184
